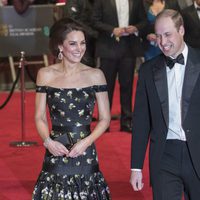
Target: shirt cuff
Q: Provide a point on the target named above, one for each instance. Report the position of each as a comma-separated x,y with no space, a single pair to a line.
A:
136,170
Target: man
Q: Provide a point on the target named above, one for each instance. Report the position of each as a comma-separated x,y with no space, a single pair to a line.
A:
173,4
81,11
167,113
184,3
191,16
118,44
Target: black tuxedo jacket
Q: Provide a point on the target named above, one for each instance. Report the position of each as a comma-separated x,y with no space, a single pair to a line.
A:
105,20
192,26
151,113
81,11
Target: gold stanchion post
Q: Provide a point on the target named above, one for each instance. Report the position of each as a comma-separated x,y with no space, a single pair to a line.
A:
23,142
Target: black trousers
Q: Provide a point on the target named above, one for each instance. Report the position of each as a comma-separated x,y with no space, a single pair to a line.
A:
124,68
177,176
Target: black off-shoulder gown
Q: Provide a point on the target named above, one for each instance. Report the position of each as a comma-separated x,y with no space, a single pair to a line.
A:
64,178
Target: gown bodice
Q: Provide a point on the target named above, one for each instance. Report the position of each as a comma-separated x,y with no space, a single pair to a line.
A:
71,106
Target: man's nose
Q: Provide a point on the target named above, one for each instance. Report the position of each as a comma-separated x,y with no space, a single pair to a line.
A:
162,40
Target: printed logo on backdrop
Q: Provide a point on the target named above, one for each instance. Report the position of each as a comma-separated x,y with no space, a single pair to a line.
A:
28,32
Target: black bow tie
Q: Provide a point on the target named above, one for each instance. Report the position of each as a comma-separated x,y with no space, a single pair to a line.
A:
198,8
170,61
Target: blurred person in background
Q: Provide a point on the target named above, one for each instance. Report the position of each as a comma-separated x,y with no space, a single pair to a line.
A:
22,5
3,2
153,8
184,3
191,16
119,23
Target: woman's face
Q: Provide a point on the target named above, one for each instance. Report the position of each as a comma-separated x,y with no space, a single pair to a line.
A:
74,46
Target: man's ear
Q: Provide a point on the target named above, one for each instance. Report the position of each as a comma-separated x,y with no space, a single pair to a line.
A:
182,30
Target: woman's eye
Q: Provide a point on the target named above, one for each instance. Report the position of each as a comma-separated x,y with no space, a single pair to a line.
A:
72,43
83,43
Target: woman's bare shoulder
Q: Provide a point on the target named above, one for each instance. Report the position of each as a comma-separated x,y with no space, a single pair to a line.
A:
45,74
96,76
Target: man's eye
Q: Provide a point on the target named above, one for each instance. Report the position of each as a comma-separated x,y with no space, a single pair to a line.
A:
167,34
157,36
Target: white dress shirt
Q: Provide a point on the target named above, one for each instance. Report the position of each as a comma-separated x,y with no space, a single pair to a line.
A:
175,77
198,12
122,12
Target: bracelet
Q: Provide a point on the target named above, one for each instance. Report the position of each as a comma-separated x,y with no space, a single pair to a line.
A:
46,142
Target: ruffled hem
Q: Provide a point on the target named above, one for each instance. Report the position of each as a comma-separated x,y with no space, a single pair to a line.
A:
71,187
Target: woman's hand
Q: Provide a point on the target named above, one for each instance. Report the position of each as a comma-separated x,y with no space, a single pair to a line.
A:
151,37
79,148
56,148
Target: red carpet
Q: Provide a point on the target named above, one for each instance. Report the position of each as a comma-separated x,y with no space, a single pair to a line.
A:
20,166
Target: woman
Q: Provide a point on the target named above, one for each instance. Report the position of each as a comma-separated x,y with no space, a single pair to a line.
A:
153,7
70,169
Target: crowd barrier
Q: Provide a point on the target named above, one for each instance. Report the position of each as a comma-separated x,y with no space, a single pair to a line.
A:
26,34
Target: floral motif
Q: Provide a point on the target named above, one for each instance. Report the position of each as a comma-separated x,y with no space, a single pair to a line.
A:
78,124
71,105
57,94
81,112
69,94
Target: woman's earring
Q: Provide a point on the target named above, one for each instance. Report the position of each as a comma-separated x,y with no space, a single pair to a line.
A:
60,55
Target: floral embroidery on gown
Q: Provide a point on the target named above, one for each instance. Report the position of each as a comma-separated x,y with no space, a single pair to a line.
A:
65,178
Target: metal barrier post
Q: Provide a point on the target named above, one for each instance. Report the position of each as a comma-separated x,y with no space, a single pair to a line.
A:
22,87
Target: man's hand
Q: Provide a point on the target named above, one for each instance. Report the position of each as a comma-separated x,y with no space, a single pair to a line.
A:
131,29
118,32
136,180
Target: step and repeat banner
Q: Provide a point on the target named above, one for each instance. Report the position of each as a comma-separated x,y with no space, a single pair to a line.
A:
28,32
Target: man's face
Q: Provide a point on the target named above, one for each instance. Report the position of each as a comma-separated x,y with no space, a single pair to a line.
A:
169,39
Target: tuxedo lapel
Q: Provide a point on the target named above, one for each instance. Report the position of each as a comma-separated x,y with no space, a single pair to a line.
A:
130,7
195,16
160,79
113,11
114,7
192,71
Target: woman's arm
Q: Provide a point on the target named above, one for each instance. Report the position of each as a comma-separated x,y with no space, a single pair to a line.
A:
104,117
56,148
